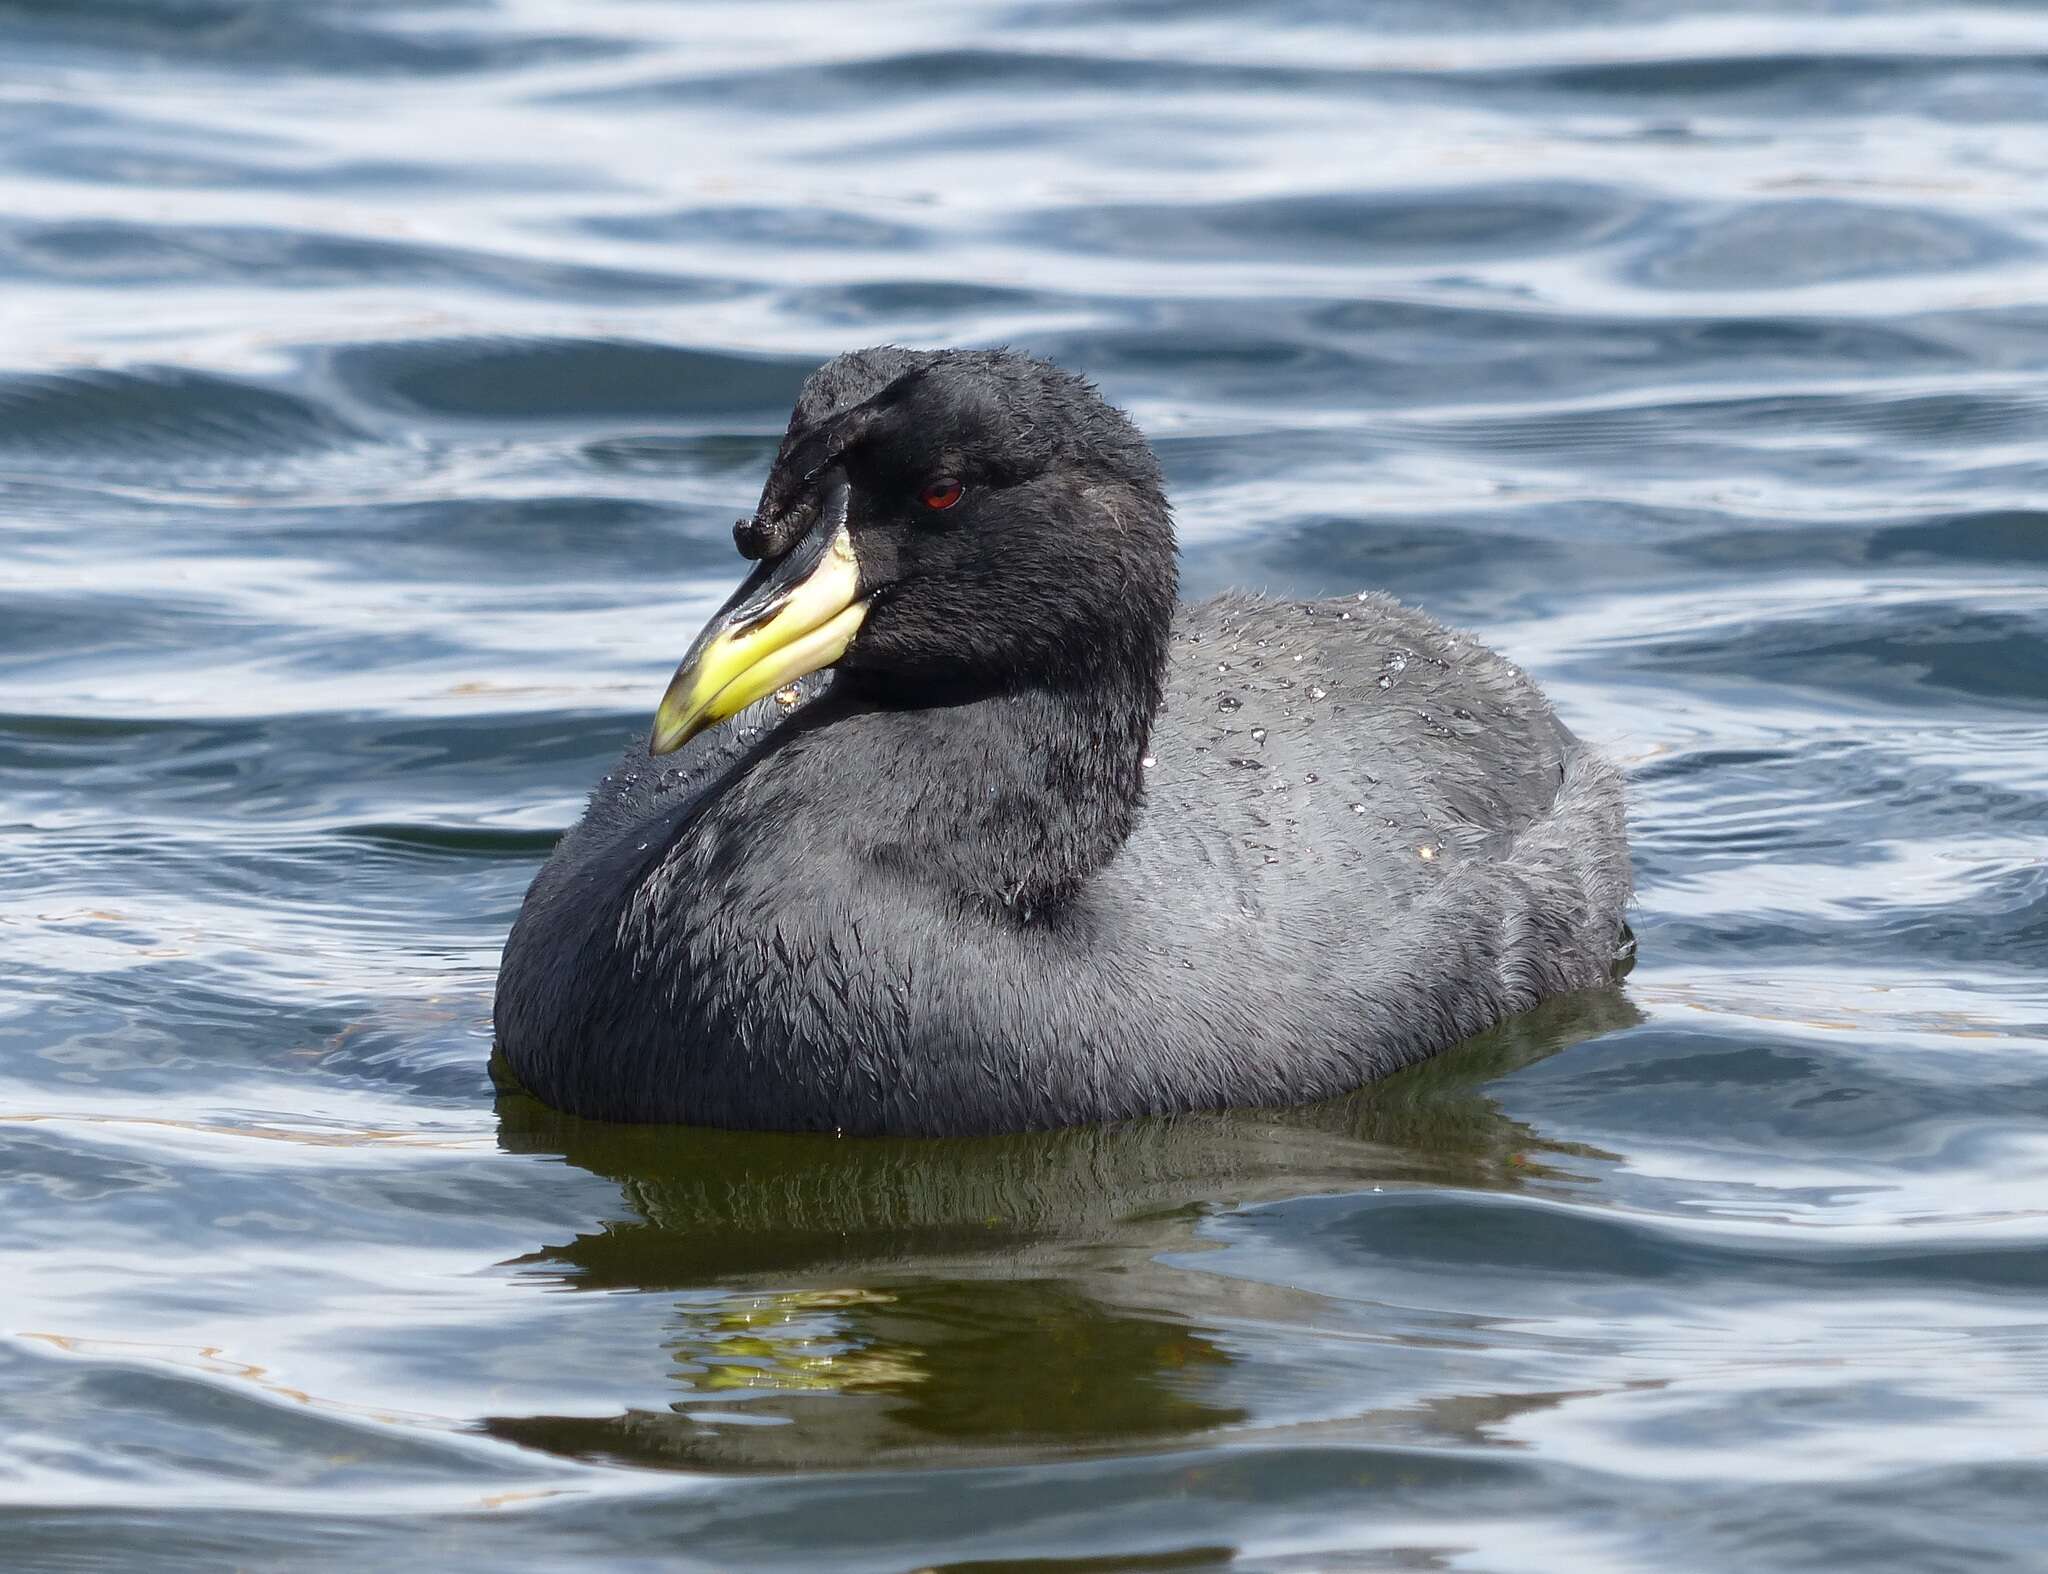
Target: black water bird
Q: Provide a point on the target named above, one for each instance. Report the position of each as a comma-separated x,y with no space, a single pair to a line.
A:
954,821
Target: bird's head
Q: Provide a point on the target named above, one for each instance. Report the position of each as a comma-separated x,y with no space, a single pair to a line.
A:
944,523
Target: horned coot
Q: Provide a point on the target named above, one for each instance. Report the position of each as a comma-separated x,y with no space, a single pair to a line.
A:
954,820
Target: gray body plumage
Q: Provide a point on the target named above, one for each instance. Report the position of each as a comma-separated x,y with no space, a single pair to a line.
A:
1362,837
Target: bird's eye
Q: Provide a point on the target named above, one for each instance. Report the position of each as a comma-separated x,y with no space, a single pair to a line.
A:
942,494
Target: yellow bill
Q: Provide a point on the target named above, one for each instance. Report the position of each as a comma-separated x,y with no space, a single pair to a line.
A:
791,618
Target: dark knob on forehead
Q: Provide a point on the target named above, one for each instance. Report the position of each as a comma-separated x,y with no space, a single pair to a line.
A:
810,449
770,534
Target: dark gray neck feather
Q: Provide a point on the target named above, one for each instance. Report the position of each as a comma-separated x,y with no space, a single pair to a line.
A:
1009,802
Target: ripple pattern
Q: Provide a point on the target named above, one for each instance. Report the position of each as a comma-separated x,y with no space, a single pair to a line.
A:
378,382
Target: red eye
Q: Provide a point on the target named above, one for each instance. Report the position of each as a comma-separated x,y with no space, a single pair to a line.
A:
942,494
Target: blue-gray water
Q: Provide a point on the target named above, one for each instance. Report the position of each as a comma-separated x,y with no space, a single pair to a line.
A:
378,384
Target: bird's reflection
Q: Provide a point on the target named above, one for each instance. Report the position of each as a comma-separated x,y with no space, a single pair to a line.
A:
863,1302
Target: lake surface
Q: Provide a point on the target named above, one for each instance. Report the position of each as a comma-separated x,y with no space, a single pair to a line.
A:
378,386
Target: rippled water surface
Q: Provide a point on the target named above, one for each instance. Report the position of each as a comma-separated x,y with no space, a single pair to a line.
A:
378,384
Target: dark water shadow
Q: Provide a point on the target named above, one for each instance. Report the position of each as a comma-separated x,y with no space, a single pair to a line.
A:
871,1302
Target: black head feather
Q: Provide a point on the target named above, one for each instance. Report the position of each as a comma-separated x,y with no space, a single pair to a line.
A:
1054,570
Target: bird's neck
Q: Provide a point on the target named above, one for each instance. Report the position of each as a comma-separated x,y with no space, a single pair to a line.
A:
1010,800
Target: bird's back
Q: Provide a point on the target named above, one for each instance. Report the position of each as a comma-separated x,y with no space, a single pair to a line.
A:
1365,836
1318,739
